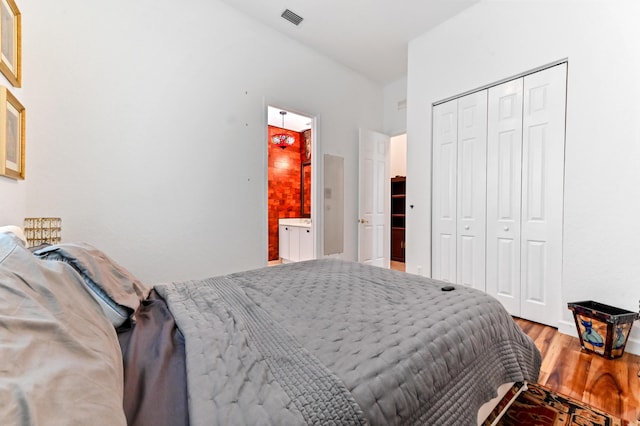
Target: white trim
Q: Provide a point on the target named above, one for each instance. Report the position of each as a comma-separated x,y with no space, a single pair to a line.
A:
504,80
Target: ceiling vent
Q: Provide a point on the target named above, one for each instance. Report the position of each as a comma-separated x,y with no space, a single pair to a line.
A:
292,17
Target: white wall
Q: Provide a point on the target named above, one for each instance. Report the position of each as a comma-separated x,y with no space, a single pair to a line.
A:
13,193
494,40
395,119
398,155
147,128
13,201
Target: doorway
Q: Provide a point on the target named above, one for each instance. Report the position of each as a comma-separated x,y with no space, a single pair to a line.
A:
290,182
381,210
398,176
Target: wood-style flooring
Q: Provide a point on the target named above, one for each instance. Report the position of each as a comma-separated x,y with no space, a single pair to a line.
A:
611,385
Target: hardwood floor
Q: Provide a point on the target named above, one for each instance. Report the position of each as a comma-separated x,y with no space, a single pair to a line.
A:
398,266
611,385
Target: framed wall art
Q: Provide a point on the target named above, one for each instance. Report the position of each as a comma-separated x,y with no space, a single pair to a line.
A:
12,139
10,42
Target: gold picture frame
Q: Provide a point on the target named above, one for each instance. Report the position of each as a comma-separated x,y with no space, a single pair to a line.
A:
11,42
12,137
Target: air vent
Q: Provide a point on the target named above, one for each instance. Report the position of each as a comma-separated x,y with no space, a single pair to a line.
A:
292,17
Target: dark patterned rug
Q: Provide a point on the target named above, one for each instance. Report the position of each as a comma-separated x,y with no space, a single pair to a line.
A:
540,406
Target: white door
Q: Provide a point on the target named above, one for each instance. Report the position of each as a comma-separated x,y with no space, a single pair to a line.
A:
471,190
459,190
445,157
543,193
374,189
504,164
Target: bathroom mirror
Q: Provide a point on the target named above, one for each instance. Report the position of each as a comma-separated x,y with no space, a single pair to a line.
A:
305,189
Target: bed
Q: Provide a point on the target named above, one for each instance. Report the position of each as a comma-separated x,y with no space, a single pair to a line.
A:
317,342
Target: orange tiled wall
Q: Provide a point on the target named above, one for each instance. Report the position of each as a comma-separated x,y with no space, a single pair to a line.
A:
284,184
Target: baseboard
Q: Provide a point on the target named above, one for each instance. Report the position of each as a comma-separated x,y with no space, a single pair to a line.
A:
569,327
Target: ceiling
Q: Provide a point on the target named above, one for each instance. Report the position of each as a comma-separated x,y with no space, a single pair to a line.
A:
368,36
292,121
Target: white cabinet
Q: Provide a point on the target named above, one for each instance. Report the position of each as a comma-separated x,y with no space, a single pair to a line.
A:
283,242
296,241
306,243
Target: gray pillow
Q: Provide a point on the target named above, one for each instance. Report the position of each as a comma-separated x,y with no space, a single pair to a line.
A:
61,361
117,291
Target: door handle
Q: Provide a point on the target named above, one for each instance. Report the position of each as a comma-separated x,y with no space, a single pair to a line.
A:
363,221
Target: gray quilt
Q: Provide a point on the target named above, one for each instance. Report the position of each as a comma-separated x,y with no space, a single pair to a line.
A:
333,342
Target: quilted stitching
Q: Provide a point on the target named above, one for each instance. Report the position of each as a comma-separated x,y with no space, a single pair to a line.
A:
408,352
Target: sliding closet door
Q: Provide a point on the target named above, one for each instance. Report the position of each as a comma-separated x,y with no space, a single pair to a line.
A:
542,194
471,189
445,157
459,190
498,188
504,165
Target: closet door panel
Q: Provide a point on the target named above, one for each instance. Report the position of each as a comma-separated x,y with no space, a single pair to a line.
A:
542,194
504,165
471,189
445,154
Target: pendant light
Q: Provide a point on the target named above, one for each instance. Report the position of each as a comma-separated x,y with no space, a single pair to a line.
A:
282,139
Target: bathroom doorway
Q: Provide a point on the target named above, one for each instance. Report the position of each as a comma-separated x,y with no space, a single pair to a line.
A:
290,185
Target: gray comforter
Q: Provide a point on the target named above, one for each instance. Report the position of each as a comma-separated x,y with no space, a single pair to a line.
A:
332,342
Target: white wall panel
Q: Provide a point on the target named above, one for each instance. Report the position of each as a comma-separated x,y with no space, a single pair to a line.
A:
534,272
507,258
504,193
445,158
471,189
543,192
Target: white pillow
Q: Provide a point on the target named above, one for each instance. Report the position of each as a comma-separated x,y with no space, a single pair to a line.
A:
15,230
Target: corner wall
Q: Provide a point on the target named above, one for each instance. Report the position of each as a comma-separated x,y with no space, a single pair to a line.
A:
492,41
147,128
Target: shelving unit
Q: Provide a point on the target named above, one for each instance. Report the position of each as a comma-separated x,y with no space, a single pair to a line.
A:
398,208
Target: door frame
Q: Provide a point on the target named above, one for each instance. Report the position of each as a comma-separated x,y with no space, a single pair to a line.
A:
315,152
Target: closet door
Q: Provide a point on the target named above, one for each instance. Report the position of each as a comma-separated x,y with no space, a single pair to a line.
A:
504,182
444,176
542,194
471,189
